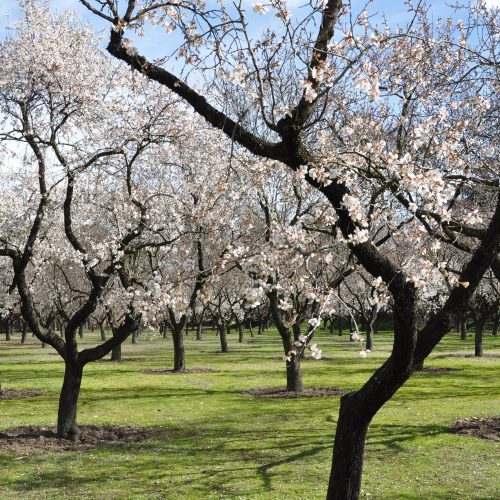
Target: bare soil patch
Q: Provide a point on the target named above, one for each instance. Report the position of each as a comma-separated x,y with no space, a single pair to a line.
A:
18,393
484,428
438,369
172,372
123,360
282,393
27,439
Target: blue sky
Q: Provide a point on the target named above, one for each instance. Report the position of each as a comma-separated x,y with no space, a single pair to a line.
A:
153,43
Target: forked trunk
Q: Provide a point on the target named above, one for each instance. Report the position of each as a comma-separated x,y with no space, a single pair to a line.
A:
296,335
294,375
178,338
66,418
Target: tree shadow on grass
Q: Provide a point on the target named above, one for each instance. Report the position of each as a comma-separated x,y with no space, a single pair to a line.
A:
389,438
265,470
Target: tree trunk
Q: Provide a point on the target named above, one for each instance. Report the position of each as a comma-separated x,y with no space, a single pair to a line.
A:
8,332
419,365
345,477
341,330
369,335
116,353
223,338
331,326
135,333
241,333
259,332
496,321
178,338
24,333
463,328
199,330
103,332
296,334
294,375
66,418
80,331
478,337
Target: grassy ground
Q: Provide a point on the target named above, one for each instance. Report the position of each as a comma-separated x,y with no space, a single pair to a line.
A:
214,442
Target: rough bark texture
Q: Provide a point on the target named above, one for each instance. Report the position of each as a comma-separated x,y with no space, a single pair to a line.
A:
116,353
294,375
67,427
179,360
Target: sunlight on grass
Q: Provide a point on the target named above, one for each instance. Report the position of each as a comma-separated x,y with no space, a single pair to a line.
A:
212,441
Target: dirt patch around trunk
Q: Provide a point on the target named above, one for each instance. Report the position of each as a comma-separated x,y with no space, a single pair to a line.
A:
28,439
484,428
172,372
18,393
437,369
282,393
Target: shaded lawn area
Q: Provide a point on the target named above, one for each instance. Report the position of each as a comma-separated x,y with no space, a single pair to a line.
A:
212,441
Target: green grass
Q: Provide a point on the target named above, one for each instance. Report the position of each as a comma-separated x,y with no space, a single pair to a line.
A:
214,442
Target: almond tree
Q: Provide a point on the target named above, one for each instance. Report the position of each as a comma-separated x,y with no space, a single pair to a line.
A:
75,215
381,121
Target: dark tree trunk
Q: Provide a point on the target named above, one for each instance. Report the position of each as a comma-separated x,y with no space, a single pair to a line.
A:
223,338
296,334
463,328
8,331
199,330
66,418
241,333
135,333
341,329
496,321
369,333
331,326
24,332
259,332
419,365
294,375
345,477
478,337
80,331
178,338
116,353
103,332
250,328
